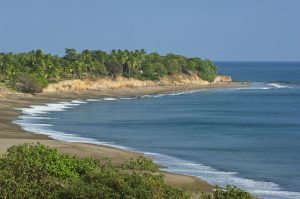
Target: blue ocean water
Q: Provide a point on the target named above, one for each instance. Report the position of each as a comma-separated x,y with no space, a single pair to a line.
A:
249,137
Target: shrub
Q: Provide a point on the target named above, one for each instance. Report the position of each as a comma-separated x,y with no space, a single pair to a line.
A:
100,68
114,68
142,164
37,171
154,71
207,70
189,67
41,80
27,83
149,72
160,69
173,66
229,192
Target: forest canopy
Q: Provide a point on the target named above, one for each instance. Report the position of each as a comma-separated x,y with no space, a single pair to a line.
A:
22,71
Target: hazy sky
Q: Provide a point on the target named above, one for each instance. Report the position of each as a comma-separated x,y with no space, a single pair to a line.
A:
252,30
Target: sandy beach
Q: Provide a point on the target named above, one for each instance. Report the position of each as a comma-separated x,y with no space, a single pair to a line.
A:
11,134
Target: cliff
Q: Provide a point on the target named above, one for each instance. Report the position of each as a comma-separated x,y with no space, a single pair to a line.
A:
119,82
122,82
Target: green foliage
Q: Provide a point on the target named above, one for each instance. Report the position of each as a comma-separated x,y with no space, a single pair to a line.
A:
172,66
230,192
41,80
114,68
154,71
207,70
46,68
99,68
141,164
28,171
28,83
189,67
149,72
37,171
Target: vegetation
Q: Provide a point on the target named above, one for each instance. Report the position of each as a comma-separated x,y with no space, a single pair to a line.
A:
230,192
37,171
29,72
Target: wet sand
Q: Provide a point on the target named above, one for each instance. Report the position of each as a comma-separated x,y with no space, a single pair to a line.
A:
11,134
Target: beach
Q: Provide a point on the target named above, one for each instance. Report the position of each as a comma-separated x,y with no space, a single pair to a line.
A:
12,134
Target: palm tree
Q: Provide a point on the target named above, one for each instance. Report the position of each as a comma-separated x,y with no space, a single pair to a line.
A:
12,74
86,58
135,61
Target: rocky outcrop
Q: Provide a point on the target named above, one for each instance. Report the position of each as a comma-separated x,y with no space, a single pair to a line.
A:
223,78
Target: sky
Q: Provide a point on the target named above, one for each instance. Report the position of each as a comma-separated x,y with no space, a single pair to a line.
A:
221,30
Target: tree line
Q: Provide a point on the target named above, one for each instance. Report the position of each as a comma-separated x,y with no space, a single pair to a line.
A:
35,69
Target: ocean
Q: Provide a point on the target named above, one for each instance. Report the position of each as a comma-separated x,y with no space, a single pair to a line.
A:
249,137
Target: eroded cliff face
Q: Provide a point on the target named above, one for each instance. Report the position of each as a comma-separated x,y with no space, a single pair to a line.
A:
223,78
122,82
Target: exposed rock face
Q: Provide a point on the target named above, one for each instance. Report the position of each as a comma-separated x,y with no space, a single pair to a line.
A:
223,78
122,82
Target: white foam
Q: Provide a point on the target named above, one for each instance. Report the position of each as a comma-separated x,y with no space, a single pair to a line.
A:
259,188
264,86
93,100
146,96
181,93
159,95
110,99
171,94
127,98
78,102
25,117
277,85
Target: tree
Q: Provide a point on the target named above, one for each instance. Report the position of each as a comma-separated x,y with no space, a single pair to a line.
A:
207,70
27,83
154,71
100,56
114,68
172,66
86,59
99,68
78,69
70,54
189,67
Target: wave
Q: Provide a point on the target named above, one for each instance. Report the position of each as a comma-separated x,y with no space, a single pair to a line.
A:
170,94
110,99
33,120
127,98
268,85
277,85
93,100
78,102
259,188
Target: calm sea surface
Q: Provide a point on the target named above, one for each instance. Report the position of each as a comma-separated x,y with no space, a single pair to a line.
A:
247,137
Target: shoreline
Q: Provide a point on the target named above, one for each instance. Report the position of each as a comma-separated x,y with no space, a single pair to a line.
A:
11,134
